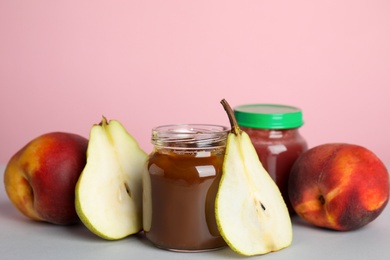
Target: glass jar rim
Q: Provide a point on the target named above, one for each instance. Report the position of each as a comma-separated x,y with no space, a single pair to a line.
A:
190,136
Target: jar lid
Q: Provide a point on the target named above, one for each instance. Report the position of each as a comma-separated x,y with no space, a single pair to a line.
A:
268,116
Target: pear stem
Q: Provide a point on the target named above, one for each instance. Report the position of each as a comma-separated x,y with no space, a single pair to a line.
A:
232,119
103,122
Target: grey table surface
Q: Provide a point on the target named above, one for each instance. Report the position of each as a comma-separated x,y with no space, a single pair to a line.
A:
21,238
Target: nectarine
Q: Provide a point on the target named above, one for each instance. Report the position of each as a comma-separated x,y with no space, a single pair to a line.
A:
339,186
40,178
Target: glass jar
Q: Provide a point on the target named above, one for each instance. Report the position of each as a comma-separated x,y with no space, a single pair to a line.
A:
274,132
183,176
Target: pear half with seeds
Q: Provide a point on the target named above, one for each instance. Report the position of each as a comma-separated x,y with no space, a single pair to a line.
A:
251,214
109,190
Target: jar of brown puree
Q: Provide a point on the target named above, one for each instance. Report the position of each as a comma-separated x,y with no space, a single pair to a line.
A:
184,171
274,132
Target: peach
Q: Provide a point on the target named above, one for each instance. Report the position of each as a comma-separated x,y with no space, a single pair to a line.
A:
339,186
40,178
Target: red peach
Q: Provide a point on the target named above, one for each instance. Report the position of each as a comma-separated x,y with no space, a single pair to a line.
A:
339,186
40,178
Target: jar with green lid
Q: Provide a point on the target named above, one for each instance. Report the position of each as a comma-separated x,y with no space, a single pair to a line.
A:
274,132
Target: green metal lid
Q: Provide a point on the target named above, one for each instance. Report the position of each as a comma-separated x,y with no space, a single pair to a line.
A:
268,116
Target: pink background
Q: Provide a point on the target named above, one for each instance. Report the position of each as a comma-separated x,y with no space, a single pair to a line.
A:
64,64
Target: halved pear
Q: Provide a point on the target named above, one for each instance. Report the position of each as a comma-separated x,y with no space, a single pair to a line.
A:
109,190
251,214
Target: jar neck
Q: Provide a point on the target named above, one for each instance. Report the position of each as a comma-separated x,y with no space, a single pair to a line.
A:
273,133
189,137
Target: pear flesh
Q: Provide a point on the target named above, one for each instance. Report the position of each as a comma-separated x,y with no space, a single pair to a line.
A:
109,190
251,214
